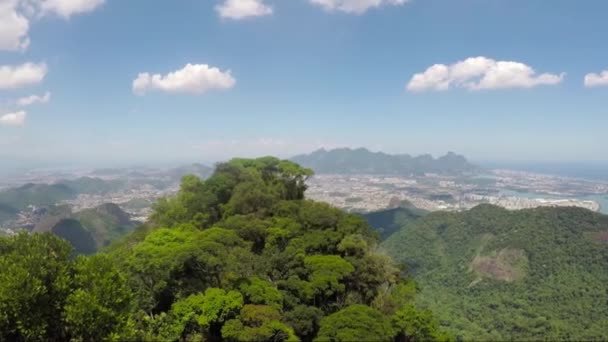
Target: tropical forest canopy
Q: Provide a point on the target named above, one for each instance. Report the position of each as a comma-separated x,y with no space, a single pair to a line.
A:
241,256
494,274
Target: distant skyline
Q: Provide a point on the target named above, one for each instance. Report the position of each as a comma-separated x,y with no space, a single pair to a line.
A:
119,82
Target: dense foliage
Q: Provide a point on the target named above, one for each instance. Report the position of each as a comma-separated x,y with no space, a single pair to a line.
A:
494,274
241,256
46,294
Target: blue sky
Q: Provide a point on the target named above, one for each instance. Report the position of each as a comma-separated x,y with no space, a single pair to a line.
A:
288,76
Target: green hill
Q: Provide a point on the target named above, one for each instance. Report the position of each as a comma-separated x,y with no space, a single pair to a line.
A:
493,274
387,222
50,194
102,225
36,194
72,231
363,161
93,186
199,170
7,212
241,256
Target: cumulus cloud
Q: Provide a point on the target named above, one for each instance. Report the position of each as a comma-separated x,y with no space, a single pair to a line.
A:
354,6
15,17
13,27
12,77
240,9
13,119
68,8
33,99
596,80
478,73
193,78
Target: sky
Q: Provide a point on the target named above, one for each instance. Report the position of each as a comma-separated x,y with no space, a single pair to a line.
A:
111,81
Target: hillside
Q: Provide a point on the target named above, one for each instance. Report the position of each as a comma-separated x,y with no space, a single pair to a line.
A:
489,273
241,256
386,222
199,170
88,230
7,212
50,194
92,185
363,161
36,194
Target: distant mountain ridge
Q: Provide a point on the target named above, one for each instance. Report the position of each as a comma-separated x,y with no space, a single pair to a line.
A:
364,161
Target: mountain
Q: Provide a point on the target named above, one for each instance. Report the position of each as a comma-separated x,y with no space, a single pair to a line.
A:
363,161
493,274
196,169
386,222
49,194
240,256
88,230
36,194
93,186
7,212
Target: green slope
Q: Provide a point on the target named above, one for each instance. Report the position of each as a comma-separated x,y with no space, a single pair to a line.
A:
489,273
104,224
7,212
387,222
36,194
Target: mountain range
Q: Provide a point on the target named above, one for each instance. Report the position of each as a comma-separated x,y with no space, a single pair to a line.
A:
363,161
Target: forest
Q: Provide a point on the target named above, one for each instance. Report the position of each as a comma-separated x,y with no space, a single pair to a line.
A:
493,274
240,256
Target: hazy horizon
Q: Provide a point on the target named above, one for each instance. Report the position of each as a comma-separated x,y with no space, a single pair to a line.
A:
213,81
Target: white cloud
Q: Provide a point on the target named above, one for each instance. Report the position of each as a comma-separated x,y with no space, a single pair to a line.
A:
240,9
478,73
15,17
597,80
13,27
193,78
21,75
67,8
354,6
13,119
33,99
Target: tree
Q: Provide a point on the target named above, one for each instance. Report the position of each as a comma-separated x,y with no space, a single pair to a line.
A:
258,291
327,273
100,305
258,323
305,321
355,323
34,285
203,314
414,325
